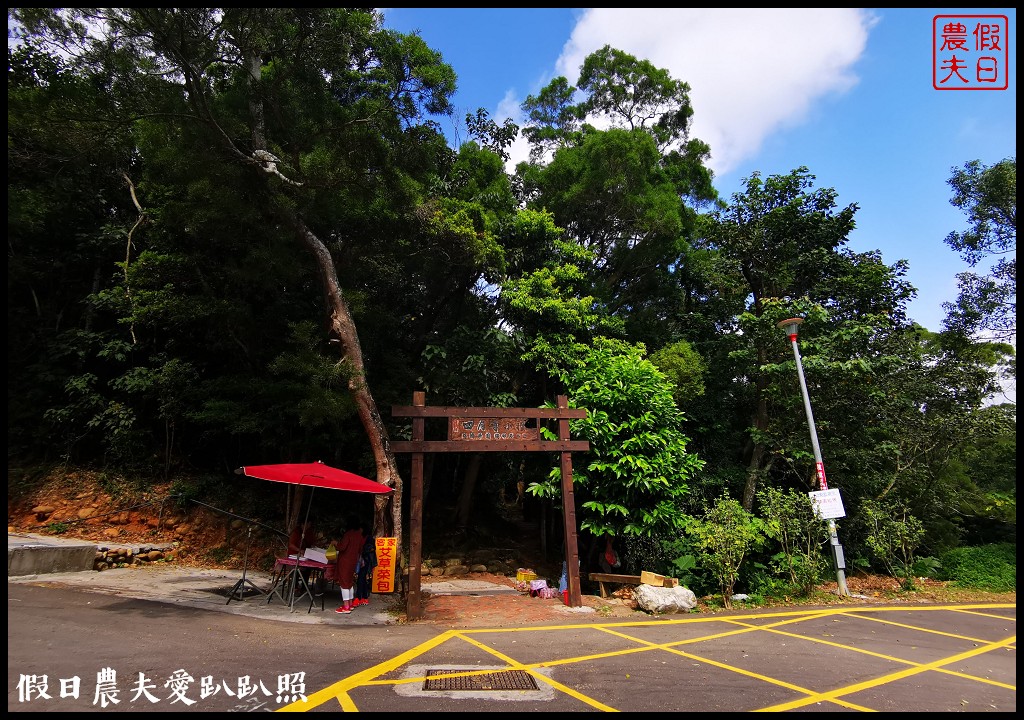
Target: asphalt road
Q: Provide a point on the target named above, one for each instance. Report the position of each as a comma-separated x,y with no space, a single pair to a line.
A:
153,656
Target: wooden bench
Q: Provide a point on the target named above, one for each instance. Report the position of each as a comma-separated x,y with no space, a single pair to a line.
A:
602,578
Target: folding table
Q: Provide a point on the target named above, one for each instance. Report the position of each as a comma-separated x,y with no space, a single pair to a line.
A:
291,585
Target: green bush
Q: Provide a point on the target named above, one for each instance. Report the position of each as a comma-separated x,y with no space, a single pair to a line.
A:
681,563
764,581
926,567
987,567
722,538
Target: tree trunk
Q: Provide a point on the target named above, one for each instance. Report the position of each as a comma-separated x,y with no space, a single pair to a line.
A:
342,325
351,353
755,469
465,504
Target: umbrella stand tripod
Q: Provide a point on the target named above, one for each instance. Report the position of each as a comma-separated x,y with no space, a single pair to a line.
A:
239,590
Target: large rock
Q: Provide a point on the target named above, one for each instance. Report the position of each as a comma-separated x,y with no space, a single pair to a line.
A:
663,600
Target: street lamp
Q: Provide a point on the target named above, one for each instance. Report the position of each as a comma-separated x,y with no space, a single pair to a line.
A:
790,326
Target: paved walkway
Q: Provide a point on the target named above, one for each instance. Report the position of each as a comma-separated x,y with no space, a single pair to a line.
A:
449,602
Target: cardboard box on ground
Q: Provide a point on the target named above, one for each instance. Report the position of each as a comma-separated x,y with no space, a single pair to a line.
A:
649,578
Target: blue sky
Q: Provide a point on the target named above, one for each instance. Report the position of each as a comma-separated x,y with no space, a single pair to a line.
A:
846,92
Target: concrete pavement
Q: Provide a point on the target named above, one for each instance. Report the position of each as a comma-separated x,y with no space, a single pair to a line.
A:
57,562
856,657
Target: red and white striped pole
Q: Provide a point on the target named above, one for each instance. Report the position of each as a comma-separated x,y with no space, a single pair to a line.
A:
791,327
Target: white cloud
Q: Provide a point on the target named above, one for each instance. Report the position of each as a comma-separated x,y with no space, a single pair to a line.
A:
751,72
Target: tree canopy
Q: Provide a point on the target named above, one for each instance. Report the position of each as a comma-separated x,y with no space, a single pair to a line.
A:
987,303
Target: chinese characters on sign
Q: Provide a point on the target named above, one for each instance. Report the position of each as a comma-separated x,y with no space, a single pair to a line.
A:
828,505
384,574
970,52
490,429
822,481
291,687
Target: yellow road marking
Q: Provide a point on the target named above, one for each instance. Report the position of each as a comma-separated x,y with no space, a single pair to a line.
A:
340,691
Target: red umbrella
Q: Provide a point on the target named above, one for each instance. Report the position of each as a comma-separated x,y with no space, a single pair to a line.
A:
315,474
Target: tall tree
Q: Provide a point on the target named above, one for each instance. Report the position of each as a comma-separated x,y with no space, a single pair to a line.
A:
987,303
891,401
783,238
627,193
65,197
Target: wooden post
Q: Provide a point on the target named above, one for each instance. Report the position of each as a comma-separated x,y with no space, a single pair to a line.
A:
572,555
413,607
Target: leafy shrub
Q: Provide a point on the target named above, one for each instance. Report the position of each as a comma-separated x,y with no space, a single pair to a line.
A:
673,557
722,539
987,567
926,567
57,528
122,487
766,582
681,563
186,489
893,536
790,520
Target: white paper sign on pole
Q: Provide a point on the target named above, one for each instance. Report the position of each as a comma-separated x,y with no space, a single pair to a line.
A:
827,504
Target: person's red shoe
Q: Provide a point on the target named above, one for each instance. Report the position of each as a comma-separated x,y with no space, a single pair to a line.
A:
343,610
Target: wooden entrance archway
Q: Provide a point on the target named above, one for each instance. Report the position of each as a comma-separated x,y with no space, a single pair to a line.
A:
488,429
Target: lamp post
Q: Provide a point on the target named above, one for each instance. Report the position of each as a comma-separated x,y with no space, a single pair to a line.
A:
791,326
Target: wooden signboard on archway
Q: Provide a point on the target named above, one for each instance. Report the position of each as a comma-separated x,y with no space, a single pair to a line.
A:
488,429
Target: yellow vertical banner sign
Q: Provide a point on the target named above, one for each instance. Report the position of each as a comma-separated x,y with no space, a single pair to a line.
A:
384,573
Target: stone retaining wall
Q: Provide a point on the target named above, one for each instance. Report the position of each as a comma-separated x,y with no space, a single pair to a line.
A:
127,555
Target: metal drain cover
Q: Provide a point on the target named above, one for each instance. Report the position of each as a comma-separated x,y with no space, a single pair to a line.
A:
480,682
505,680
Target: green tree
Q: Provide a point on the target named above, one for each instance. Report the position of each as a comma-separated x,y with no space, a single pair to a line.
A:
786,240
312,115
788,518
987,303
68,205
893,535
891,401
684,367
981,477
636,477
637,474
628,193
